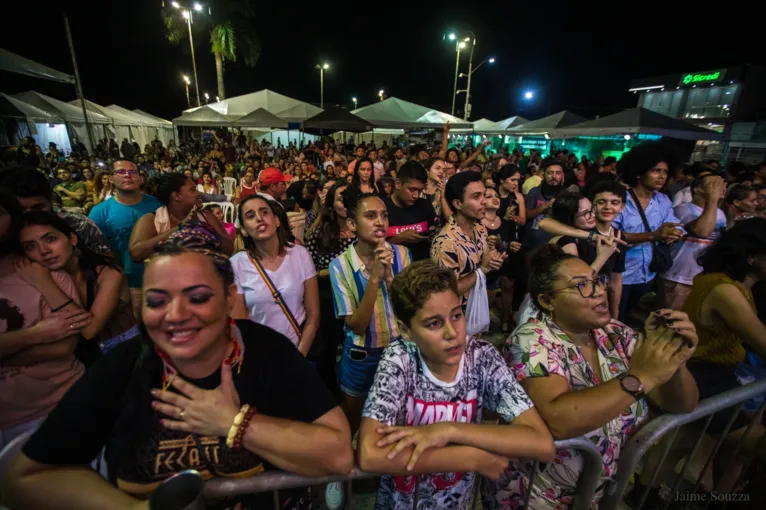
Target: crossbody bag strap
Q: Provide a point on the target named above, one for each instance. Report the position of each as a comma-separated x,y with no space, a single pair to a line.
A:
640,210
277,296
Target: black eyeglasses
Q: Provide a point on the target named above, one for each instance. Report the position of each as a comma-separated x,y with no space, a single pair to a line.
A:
588,213
587,288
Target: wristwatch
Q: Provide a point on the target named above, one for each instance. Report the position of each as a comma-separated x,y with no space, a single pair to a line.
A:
632,385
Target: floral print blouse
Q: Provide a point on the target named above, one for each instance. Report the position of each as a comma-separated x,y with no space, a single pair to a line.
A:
540,348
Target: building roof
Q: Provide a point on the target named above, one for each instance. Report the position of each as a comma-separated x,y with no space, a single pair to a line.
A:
638,121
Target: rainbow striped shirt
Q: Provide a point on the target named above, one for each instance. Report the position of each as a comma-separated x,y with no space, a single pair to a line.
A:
349,280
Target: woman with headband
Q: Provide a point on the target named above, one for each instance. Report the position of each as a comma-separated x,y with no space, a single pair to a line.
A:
197,391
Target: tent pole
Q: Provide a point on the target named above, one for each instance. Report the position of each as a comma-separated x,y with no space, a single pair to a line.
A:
78,84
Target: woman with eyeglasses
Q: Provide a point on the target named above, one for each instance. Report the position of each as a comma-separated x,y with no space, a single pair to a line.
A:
575,357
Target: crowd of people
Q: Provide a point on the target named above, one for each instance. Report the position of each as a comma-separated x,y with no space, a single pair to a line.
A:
233,306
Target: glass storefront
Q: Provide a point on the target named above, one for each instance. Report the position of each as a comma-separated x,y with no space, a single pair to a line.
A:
694,103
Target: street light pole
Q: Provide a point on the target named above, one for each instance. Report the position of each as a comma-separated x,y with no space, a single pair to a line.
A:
467,111
454,87
321,82
186,83
354,100
187,15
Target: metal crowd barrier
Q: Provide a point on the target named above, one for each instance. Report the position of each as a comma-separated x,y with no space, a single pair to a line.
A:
657,429
276,480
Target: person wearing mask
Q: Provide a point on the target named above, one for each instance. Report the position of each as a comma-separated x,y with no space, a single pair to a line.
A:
441,367
576,357
180,201
72,193
722,308
40,322
645,170
276,280
540,200
117,217
363,178
239,389
411,219
101,286
704,222
33,193
360,278
461,245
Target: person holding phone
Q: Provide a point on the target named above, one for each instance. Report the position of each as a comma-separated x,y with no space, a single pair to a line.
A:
411,219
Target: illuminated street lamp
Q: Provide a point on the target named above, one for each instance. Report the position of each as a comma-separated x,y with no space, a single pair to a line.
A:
381,94
186,12
467,90
217,99
321,82
187,82
354,100
529,95
452,37
207,97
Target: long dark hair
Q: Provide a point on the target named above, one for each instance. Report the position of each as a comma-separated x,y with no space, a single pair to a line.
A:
89,262
283,231
329,231
566,207
731,252
356,180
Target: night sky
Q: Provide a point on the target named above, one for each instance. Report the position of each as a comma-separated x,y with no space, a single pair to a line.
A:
571,57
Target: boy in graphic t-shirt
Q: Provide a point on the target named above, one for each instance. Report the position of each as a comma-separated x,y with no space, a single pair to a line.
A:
423,413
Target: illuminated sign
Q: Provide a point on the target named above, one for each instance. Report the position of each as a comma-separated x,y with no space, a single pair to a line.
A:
703,77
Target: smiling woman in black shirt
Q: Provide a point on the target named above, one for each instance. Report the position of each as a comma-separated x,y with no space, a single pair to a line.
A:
168,402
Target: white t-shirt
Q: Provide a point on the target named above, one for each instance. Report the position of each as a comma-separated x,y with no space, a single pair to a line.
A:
296,268
685,251
405,392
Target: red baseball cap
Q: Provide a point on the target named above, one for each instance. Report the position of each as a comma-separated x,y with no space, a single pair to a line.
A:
271,176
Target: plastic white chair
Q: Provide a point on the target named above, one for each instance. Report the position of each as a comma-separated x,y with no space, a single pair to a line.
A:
229,183
227,208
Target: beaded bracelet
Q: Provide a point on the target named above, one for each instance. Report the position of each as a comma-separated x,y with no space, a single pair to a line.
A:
243,428
235,425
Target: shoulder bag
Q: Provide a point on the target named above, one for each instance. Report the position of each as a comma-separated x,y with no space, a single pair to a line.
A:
277,297
662,260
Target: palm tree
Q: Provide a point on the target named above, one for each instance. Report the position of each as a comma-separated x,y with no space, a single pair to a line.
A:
231,32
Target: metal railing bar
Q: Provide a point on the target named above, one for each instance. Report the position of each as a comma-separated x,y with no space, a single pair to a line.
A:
665,451
532,477
591,474
688,460
710,458
636,446
275,496
758,447
274,480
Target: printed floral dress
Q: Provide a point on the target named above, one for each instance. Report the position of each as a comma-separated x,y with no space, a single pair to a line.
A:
540,348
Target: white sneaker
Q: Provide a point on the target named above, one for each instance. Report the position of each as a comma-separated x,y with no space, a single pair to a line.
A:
334,497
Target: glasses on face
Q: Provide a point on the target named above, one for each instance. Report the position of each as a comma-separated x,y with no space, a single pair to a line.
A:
587,288
125,173
588,213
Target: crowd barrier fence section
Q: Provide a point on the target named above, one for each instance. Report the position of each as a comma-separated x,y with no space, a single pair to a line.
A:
667,427
275,481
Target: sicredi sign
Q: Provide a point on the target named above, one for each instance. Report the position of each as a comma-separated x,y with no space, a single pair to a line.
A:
705,77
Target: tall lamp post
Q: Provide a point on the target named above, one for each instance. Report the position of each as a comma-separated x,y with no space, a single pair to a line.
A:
467,90
321,82
381,94
458,46
354,100
187,82
187,14
207,97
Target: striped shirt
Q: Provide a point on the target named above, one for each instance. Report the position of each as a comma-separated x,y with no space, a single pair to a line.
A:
349,277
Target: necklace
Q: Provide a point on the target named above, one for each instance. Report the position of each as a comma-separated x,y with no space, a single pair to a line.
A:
607,233
236,358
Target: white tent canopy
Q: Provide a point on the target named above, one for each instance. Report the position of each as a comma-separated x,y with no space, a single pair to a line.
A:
156,127
508,123
204,116
286,108
479,126
71,114
397,113
17,64
160,121
260,118
32,121
31,112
